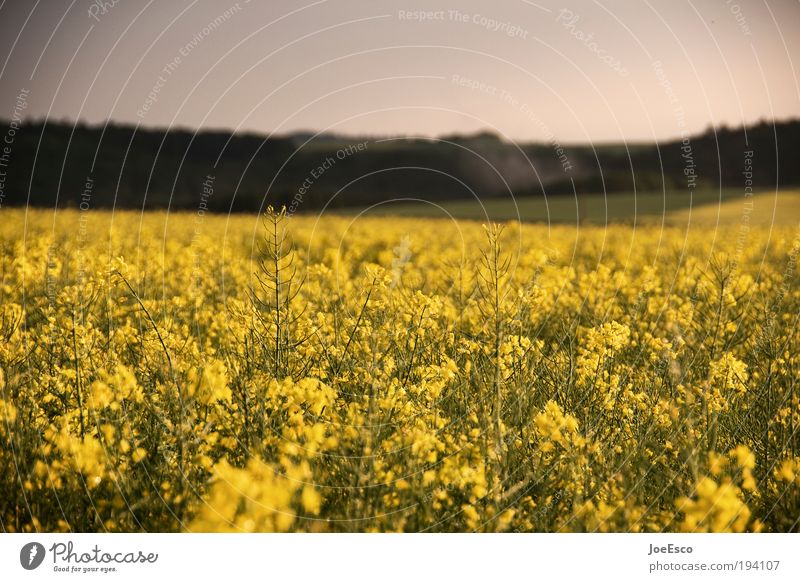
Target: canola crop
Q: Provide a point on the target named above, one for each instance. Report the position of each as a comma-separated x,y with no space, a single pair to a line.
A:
179,372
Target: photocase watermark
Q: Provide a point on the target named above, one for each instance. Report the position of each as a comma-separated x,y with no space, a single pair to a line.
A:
509,99
67,558
689,166
99,8
83,218
51,289
569,21
747,209
171,67
207,191
491,24
31,555
50,283
8,139
736,10
748,173
766,332
402,256
687,153
316,173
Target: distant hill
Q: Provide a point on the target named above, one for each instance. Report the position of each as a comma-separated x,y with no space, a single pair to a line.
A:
49,164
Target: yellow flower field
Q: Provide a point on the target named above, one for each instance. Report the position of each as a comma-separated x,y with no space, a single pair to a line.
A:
176,372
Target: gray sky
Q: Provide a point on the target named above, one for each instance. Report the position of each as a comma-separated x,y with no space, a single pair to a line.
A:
574,71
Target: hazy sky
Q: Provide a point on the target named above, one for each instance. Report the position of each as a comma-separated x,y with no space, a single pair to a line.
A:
568,70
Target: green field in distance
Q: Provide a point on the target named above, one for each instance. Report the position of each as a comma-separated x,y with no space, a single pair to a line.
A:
705,207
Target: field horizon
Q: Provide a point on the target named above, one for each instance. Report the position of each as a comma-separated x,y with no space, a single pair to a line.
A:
722,206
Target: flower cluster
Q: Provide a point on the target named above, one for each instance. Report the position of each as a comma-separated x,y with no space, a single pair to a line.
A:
287,374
